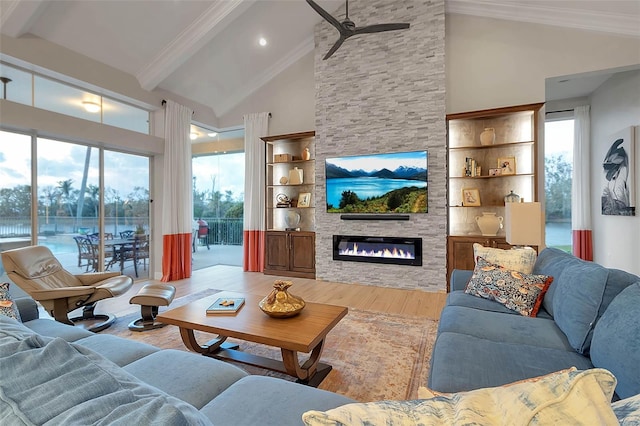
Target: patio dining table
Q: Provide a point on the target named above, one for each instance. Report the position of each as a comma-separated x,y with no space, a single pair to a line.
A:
120,246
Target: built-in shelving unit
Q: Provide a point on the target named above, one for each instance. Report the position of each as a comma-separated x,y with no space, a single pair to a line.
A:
478,167
290,204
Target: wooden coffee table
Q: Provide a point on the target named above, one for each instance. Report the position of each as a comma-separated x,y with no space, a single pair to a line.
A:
305,333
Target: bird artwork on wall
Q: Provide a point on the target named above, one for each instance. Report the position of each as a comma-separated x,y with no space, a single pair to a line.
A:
347,28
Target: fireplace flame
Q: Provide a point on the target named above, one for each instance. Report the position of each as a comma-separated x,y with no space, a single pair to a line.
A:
394,253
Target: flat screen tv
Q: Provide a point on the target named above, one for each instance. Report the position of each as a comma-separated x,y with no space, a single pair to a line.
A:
377,183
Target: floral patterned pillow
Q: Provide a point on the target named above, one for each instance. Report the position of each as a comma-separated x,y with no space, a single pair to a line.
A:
7,306
517,291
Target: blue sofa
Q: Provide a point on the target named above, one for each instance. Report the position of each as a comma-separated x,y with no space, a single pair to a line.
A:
60,374
590,317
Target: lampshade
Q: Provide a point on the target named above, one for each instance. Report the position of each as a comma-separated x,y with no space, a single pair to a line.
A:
523,223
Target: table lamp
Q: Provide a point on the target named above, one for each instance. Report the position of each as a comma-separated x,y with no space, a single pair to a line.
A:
523,223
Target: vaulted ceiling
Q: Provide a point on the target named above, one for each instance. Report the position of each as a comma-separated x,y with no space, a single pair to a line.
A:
208,51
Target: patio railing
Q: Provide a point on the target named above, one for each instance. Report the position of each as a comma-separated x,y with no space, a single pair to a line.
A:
222,231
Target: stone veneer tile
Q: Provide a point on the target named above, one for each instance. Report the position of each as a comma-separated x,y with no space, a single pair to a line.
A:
378,93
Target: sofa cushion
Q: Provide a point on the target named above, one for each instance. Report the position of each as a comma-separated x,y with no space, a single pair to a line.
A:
7,306
552,261
498,327
517,291
521,260
577,299
616,341
461,362
117,350
246,402
52,381
574,397
193,378
52,328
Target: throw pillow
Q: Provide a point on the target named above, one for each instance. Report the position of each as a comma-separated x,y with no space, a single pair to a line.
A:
521,260
628,410
569,397
515,290
7,305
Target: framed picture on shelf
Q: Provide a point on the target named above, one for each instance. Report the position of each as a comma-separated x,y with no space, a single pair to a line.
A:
495,172
304,199
507,165
470,197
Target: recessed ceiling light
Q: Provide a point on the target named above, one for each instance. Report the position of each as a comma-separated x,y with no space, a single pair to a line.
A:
193,136
212,134
262,41
91,106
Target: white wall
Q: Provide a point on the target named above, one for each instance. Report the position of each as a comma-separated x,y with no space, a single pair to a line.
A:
495,63
289,97
614,106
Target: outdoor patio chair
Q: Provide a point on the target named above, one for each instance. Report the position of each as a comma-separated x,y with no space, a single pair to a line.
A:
36,271
127,234
86,253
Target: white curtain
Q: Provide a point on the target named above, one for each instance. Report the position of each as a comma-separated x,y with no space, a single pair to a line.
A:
581,185
177,196
255,126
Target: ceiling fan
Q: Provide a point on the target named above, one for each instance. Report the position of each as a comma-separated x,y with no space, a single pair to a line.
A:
347,28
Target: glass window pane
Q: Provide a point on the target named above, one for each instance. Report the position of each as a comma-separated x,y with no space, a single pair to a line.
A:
68,200
126,198
558,177
19,88
15,192
218,199
125,116
58,97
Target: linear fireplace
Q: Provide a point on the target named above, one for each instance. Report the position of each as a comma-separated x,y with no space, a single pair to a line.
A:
394,250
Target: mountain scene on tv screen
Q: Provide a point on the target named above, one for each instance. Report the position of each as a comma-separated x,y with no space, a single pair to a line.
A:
379,183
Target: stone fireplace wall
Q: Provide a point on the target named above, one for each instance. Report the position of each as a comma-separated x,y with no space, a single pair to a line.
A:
380,93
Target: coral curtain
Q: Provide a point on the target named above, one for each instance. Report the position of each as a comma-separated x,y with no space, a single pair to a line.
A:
177,195
255,126
581,185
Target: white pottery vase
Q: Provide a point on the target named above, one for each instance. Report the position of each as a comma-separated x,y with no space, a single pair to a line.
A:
488,137
489,223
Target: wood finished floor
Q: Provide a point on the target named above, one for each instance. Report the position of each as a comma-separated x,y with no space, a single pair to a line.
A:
356,296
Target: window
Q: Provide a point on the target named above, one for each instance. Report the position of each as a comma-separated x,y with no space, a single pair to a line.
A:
557,189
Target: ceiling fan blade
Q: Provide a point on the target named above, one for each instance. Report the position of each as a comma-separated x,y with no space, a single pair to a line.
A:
378,28
335,47
333,21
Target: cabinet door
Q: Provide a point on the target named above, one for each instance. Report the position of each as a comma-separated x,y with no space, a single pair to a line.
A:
302,251
276,251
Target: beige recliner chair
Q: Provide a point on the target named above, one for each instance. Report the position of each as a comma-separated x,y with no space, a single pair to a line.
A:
35,270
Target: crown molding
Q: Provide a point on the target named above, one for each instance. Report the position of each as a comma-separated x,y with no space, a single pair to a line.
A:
189,41
607,22
267,75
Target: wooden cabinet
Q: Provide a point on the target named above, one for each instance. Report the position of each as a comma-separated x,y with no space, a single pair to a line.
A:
290,253
488,170
290,204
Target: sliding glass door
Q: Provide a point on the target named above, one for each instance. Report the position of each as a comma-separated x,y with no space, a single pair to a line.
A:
69,211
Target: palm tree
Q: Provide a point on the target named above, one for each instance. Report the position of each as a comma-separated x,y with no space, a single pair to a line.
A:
94,193
65,190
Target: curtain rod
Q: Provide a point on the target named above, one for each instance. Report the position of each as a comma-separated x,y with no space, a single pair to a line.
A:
562,110
164,102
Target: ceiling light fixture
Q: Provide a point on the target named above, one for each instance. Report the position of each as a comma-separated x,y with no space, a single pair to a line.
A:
193,136
212,134
262,41
91,106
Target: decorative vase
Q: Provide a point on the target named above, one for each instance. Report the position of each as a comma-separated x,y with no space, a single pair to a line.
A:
292,219
512,197
280,303
489,223
295,176
306,155
488,137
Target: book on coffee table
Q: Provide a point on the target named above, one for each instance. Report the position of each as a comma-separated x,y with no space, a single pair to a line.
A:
226,305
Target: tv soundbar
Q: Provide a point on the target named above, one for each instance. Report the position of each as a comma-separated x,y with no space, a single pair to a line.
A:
385,216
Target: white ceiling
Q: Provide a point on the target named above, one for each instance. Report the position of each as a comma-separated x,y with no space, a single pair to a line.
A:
208,51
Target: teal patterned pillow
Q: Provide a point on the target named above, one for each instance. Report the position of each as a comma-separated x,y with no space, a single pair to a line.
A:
7,305
515,290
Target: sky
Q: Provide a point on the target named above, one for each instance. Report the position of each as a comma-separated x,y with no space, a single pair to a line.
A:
558,138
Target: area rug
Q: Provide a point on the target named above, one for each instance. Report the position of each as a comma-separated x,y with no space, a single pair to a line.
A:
375,356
